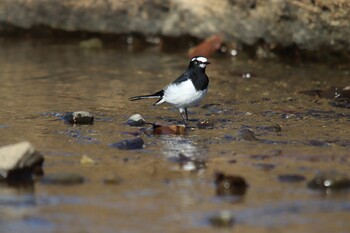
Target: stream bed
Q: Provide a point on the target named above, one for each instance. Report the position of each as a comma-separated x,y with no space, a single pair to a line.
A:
261,129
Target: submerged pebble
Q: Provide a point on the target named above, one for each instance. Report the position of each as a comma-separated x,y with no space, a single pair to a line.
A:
136,120
79,117
291,178
227,185
247,134
264,166
93,43
112,179
85,160
222,219
131,144
63,179
329,181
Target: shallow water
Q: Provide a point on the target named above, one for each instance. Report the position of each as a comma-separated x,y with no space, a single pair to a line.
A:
41,81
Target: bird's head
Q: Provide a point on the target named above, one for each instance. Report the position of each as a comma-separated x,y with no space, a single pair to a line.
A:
198,62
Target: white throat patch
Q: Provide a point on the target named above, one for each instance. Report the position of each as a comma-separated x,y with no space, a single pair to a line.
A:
201,59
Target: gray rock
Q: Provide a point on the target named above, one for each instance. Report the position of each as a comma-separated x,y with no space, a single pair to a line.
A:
19,161
79,117
136,120
308,24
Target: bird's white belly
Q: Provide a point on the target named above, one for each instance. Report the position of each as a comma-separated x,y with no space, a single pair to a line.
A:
183,95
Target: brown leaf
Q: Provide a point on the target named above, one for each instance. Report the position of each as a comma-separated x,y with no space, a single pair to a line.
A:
171,129
207,47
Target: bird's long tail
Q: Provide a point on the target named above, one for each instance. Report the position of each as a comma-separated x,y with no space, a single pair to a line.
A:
158,94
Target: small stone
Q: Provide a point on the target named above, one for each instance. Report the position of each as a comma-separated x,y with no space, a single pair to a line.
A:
136,120
131,144
222,219
329,181
265,166
247,134
63,179
112,179
228,185
79,117
18,162
87,160
93,43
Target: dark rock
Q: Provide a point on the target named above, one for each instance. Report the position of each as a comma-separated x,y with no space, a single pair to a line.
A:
247,134
63,179
131,144
222,219
205,124
329,181
80,117
291,178
228,185
18,162
136,120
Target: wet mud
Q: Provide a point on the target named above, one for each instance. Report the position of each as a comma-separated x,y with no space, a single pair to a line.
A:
258,129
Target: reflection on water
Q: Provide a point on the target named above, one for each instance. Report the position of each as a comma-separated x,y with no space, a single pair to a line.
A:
175,145
189,155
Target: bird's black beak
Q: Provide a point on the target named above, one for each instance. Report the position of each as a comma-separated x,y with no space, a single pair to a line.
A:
207,63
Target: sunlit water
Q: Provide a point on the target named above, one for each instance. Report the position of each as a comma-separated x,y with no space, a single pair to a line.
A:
40,82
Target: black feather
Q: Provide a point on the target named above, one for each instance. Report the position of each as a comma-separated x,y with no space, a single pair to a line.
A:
158,94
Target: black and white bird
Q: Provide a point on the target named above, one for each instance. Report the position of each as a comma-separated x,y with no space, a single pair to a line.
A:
187,90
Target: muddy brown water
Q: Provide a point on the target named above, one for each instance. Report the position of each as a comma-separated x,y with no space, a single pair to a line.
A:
40,82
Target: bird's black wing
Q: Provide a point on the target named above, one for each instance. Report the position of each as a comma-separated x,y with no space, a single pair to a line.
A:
185,76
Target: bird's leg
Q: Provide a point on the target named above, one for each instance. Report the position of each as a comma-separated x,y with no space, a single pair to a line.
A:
183,113
186,114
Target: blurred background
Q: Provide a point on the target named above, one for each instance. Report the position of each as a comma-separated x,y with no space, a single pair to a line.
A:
315,29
